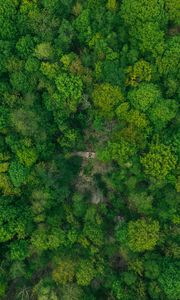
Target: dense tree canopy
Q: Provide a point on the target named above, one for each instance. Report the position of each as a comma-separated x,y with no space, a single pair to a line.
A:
89,149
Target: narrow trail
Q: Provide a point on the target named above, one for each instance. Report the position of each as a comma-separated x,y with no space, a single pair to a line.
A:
85,182
84,154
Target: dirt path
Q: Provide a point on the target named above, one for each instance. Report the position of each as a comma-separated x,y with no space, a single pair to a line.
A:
84,154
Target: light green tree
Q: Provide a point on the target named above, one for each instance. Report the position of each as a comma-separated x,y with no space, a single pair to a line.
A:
43,51
85,272
64,271
144,96
5,185
69,93
163,112
158,162
168,62
44,290
43,239
143,235
137,12
150,39
106,98
141,71
17,173
173,10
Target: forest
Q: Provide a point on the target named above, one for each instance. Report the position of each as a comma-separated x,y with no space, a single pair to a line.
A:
89,149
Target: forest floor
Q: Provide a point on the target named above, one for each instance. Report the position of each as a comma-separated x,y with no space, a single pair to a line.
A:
90,167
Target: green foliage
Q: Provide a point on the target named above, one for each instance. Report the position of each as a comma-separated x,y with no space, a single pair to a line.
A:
137,12
142,235
169,281
65,36
7,16
83,27
19,250
64,271
69,92
154,290
50,70
168,62
118,290
27,156
137,119
5,185
44,51
13,220
72,292
111,5
2,288
163,112
17,173
130,278
4,167
144,96
25,121
79,205
89,148
32,64
43,290
25,46
19,82
85,273
106,98
94,234
173,10
141,202
145,19
3,118
120,152
121,233
158,162
152,270
151,39
43,239
141,71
